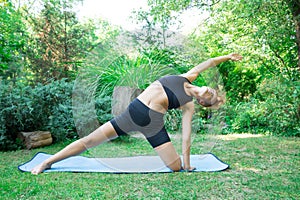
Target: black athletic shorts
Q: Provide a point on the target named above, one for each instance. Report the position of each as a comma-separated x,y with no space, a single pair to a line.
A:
139,117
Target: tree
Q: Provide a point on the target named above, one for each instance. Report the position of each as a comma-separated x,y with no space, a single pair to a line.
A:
58,43
12,41
267,27
156,23
266,33
294,6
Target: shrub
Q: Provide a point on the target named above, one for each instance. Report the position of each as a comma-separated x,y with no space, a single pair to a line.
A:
103,108
5,142
277,113
43,107
173,120
18,109
239,82
57,103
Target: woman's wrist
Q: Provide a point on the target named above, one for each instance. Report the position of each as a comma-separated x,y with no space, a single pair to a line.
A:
229,57
47,163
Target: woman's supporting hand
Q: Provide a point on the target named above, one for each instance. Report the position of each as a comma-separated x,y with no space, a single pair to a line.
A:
189,169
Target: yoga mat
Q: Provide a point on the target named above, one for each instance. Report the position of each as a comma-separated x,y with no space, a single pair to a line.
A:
137,164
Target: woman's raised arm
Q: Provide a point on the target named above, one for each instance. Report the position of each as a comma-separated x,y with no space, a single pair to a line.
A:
195,71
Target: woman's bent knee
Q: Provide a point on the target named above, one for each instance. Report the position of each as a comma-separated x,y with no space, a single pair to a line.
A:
169,156
176,166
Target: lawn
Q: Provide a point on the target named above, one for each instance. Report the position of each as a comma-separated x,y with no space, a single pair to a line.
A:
261,167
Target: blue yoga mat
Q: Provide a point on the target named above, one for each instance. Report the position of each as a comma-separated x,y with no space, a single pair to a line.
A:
137,164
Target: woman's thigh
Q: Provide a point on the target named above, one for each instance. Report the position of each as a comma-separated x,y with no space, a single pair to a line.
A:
102,134
169,156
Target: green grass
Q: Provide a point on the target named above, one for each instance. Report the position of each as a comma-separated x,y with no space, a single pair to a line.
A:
261,167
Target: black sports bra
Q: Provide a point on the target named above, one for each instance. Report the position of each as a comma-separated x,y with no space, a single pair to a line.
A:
174,88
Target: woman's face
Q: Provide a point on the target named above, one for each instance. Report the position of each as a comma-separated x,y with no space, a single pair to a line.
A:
206,96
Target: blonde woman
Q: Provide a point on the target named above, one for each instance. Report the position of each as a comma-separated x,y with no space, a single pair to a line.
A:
145,114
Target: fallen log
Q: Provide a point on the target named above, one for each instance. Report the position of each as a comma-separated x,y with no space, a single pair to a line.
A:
35,139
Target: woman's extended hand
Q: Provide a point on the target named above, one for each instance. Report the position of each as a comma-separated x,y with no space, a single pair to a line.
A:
235,57
40,168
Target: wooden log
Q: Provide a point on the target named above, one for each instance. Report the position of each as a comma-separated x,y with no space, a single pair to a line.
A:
35,139
40,143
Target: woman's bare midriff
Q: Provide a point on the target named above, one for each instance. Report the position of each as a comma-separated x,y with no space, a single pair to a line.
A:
155,98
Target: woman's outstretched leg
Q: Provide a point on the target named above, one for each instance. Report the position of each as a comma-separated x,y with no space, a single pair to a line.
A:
104,133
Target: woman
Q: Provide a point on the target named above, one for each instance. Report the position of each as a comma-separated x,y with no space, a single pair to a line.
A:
145,114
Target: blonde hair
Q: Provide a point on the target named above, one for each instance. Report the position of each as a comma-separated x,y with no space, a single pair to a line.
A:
218,101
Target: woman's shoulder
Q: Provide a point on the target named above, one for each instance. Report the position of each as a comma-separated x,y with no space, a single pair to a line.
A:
188,77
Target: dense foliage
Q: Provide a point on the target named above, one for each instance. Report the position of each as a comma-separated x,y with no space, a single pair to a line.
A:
43,107
12,41
46,55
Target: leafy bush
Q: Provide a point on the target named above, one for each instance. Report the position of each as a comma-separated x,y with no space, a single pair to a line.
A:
278,113
138,71
173,120
44,107
239,81
57,103
103,108
5,142
17,109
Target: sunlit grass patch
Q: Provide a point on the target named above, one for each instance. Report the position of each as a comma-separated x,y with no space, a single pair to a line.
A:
264,167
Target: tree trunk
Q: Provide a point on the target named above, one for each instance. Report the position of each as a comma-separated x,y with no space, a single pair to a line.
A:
297,22
294,6
122,97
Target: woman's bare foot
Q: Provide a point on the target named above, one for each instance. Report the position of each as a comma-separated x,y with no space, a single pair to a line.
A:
40,168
